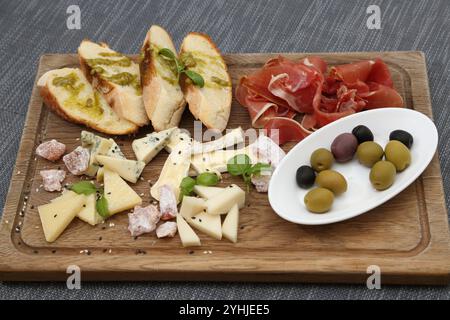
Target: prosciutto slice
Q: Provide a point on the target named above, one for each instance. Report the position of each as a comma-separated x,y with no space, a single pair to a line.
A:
283,88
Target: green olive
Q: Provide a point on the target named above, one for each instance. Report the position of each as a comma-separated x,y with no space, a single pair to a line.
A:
319,200
332,180
369,153
207,179
321,159
382,175
397,153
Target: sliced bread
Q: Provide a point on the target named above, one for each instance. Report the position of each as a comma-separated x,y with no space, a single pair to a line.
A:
163,99
212,103
69,94
117,77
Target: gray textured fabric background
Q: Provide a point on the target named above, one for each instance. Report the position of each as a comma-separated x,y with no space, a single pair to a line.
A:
31,28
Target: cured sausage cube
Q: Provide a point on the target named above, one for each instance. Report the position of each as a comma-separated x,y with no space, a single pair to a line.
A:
52,179
77,162
143,220
51,150
167,229
167,202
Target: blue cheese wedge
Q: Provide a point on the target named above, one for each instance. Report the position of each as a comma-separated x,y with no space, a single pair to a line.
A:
148,147
130,170
57,215
230,224
207,223
119,195
188,237
174,170
96,145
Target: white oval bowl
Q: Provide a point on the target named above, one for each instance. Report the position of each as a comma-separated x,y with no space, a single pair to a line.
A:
286,197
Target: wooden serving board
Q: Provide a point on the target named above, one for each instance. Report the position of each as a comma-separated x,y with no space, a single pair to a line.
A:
408,237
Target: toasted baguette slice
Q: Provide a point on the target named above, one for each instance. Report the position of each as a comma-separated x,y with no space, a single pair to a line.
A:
117,77
212,103
68,93
163,98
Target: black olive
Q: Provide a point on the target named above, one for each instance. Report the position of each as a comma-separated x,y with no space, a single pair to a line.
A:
305,177
362,134
402,136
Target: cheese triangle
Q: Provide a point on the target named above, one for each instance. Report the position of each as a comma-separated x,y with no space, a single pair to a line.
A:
57,215
130,170
89,213
118,193
187,235
207,223
207,192
191,206
149,146
230,224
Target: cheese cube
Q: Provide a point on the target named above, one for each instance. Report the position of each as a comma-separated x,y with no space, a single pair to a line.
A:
224,201
187,235
230,224
89,213
148,147
130,170
118,193
191,206
207,223
207,192
57,215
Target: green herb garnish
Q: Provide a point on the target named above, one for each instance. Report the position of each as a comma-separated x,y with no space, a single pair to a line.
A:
102,206
241,165
207,179
88,188
83,187
196,78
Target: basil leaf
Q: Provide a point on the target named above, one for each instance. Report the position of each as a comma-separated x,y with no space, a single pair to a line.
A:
195,77
102,206
239,165
207,179
83,187
167,53
187,186
259,167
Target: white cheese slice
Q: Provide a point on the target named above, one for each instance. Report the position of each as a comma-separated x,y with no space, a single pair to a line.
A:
130,170
57,215
207,192
148,147
224,201
230,224
191,206
176,137
235,136
187,235
216,161
89,213
207,223
174,170
118,193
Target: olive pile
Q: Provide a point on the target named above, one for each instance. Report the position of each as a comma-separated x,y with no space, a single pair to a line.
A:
344,147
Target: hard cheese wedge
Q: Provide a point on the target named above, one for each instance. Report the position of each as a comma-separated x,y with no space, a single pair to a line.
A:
148,147
187,235
230,224
66,195
118,193
207,223
224,201
191,206
207,192
56,216
88,213
175,169
130,170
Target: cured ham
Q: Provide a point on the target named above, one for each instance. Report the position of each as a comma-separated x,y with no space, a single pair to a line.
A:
283,89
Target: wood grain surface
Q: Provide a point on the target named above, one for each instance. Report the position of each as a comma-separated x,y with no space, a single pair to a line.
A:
407,237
